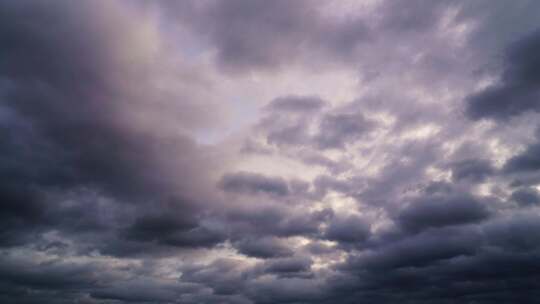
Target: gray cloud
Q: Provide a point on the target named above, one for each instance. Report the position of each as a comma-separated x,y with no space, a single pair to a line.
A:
268,35
79,134
266,247
439,211
336,130
526,196
245,182
277,220
475,170
289,120
293,266
528,160
517,91
348,230
295,104
173,230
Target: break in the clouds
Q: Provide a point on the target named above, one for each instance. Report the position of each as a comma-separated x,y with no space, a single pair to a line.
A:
258,152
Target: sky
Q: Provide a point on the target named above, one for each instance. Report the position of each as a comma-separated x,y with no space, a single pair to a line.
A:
261,152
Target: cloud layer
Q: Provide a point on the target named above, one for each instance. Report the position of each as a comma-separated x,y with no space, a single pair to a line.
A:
269,152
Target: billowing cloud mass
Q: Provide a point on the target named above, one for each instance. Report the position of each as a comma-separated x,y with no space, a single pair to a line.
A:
258,152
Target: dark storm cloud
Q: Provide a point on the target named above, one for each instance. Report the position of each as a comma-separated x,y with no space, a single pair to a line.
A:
527,161
520,233
90,149
53,275
24,280
518,90
22,212
438,187
287,290
277,220
457,264
246,182
71,127
419,250
144,291
224,276
173,230
266,247
441,210
526,197
294,266
348,230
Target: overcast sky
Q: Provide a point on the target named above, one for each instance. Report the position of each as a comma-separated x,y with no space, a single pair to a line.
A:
261,152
